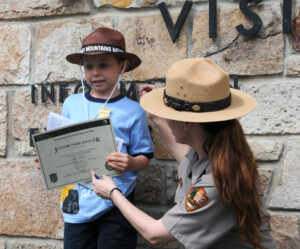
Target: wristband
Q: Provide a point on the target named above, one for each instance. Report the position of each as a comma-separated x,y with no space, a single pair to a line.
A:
110,193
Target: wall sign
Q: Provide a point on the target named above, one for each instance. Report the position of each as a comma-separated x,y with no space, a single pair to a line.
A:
243,5
47,93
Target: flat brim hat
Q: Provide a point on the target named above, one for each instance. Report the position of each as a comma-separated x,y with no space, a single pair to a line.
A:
105,41
197,90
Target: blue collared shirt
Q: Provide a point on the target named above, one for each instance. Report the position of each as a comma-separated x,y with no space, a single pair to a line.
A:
129,124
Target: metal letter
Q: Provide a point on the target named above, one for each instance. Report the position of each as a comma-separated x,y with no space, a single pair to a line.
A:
131,93
287,15
257,23
174,30
212,18
33,94
62,92
49,94
32,131
78,87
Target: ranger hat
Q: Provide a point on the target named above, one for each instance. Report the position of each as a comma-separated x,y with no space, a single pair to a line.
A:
102,41
197,90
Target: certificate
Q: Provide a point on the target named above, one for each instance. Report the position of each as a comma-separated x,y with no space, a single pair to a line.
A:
68,154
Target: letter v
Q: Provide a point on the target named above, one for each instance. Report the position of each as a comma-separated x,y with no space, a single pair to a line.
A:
174,30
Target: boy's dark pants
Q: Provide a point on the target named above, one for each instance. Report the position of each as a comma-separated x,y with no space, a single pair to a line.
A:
110,231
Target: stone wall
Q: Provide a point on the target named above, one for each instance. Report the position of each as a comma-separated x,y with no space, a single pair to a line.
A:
37,35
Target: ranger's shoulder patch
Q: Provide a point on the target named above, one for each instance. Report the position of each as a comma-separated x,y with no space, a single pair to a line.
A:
195,199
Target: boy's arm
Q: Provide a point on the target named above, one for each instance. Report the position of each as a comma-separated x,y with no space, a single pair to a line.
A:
124,162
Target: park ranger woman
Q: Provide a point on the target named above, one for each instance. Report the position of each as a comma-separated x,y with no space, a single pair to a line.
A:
218,199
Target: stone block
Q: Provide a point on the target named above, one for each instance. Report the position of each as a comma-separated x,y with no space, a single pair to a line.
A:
235,53
285,231
148,37
265,150
293,65
265,176
171,182
26,115
3,123
277,110
2,245
27,208
149,185
15,56
286,194
14,9
36,245
161,149
54,41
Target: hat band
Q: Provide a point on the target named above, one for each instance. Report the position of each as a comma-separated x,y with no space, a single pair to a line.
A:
182,105
101,48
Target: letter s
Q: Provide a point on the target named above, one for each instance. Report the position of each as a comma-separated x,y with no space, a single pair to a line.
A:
257,23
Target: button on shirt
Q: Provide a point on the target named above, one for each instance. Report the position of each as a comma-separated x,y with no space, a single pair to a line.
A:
200,219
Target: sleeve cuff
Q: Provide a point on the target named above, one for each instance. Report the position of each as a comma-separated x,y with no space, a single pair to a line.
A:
148,155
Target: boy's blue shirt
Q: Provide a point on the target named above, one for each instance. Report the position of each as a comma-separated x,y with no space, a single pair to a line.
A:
129,124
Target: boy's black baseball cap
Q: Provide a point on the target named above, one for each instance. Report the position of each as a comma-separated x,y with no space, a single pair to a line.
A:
105,41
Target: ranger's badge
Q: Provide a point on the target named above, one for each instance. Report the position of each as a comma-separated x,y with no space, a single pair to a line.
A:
195,199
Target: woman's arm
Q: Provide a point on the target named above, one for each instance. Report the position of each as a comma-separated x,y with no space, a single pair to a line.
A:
152,230
178,150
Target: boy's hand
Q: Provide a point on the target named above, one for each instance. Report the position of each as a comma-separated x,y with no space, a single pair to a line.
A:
103,186
121,161
36,160
145,89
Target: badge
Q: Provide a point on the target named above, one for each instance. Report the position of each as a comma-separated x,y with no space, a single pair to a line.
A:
104,112
70,204
65,192
107,166
53,177
195,199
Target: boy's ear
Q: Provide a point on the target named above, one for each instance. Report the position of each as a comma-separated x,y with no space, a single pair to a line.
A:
125,64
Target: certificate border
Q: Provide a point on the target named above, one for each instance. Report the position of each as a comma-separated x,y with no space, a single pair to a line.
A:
69,129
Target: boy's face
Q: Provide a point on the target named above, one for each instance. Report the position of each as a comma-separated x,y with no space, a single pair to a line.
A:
101,73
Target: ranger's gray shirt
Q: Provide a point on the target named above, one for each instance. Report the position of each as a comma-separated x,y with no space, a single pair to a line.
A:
200,219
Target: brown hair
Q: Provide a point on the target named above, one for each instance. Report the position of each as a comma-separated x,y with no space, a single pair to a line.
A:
234,171
119,58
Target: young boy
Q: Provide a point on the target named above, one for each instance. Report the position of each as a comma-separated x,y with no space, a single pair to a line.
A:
90,221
